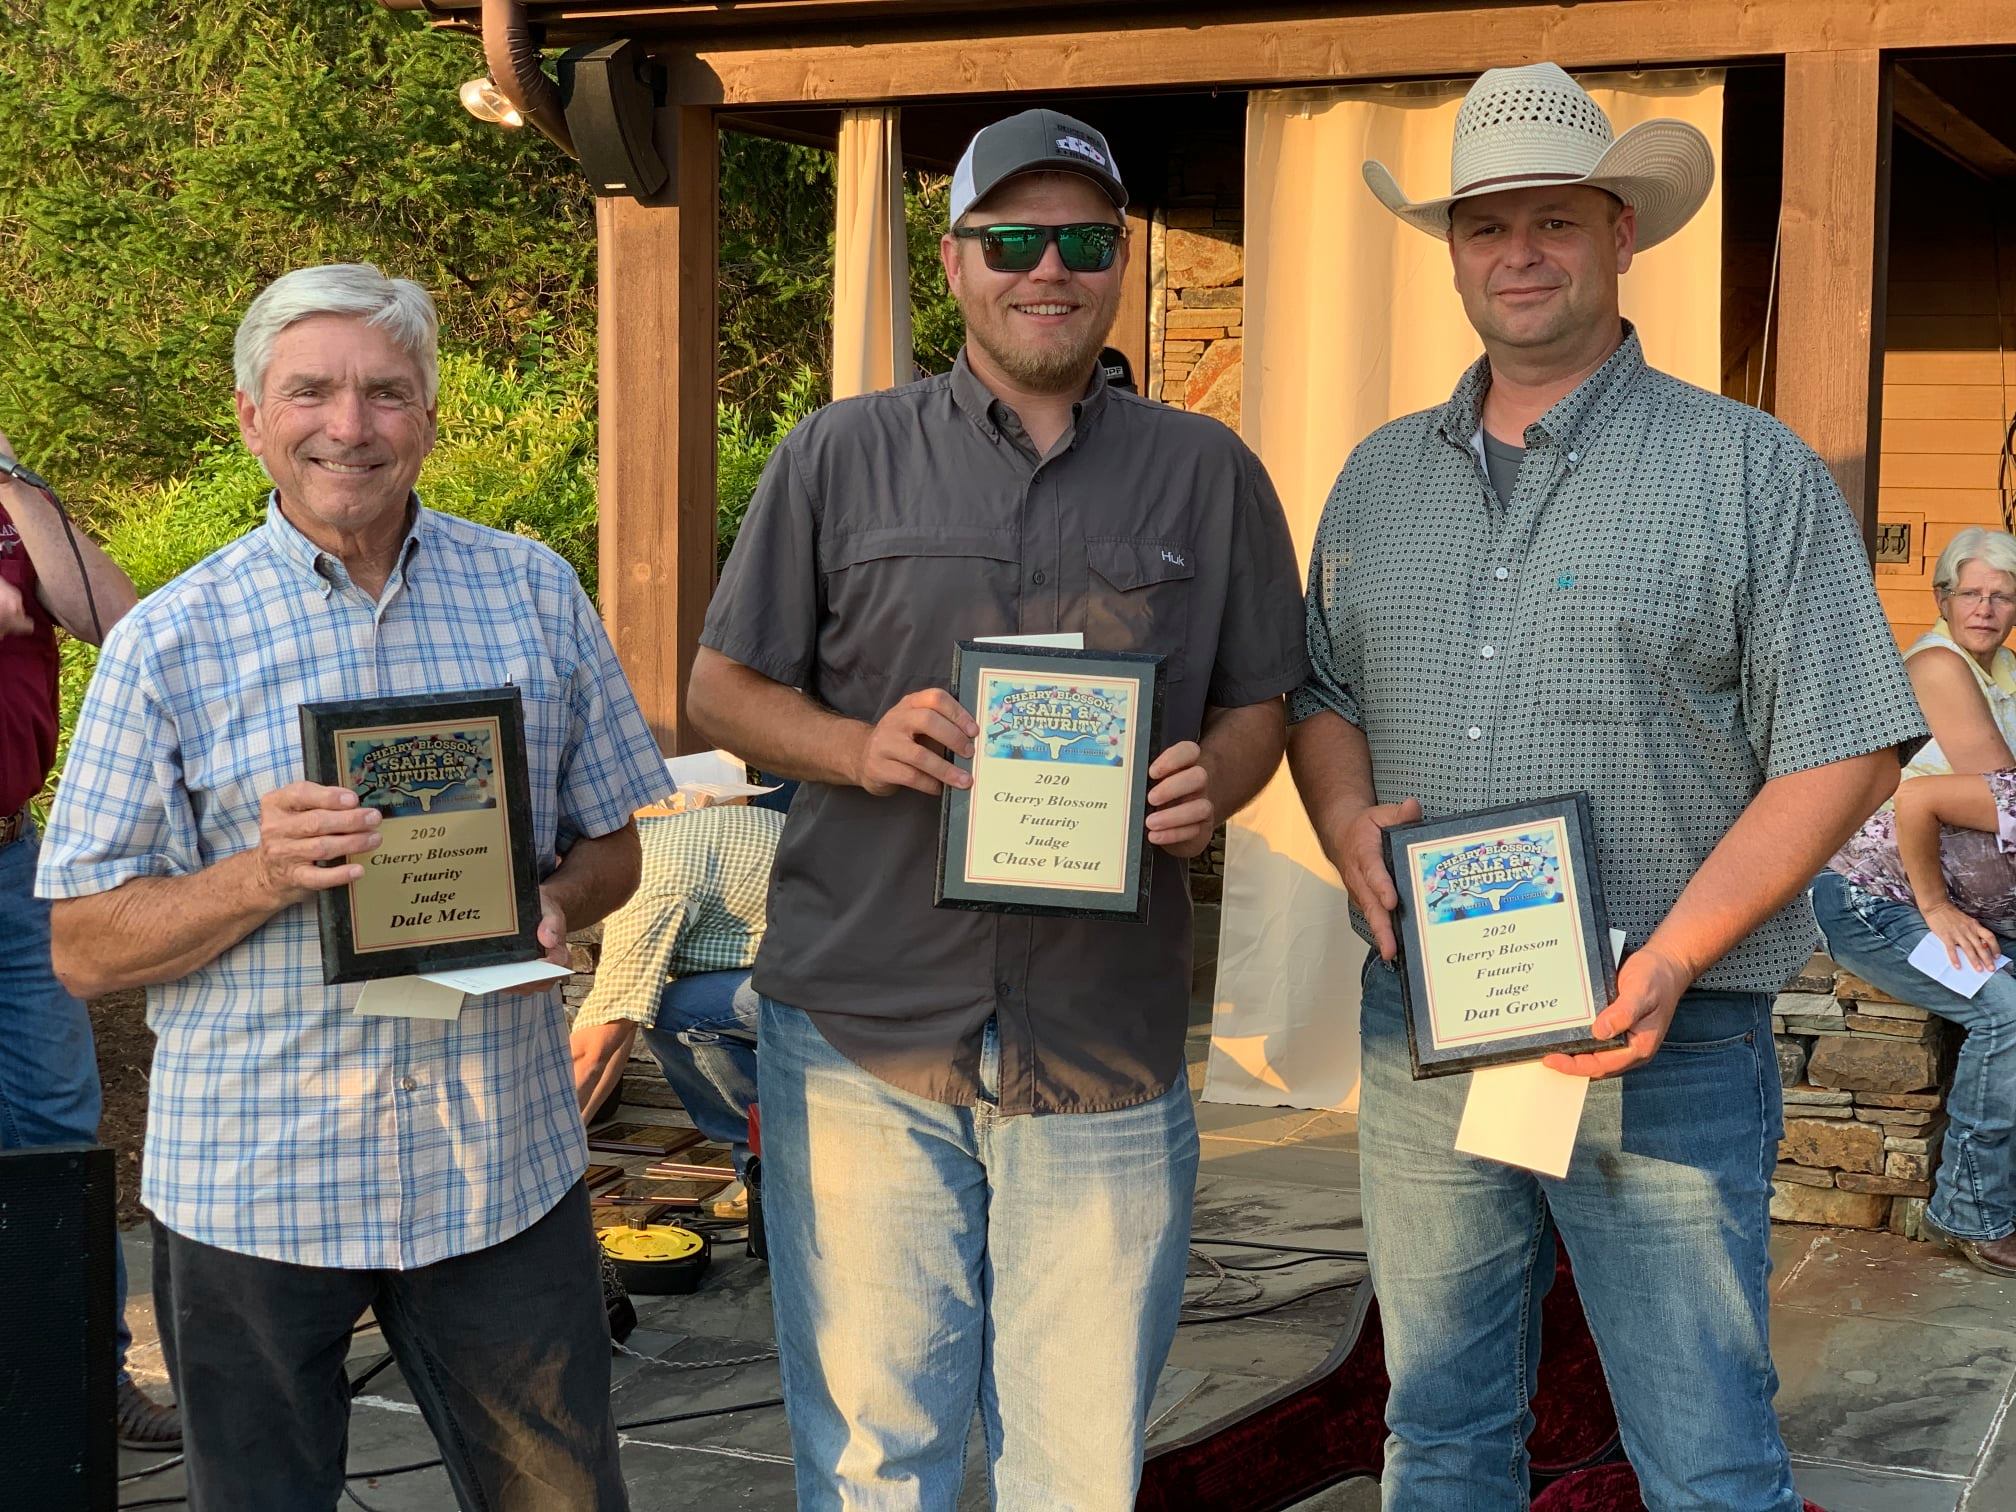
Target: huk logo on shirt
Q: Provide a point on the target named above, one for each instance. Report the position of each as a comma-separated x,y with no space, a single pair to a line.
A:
1082,148
1173,558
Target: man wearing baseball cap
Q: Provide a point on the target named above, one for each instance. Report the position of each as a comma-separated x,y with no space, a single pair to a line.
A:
1580,574
978,1144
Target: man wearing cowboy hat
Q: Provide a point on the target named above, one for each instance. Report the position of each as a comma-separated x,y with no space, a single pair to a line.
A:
1581,574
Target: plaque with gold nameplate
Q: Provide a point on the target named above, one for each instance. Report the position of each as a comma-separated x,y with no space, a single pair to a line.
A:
453,881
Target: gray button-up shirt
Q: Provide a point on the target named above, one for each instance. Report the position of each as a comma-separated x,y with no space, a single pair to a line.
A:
1671,609
886,528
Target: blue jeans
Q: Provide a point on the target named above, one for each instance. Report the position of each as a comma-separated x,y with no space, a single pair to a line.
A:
929,1259
1665,1213
49,1093
1873,937
704,1040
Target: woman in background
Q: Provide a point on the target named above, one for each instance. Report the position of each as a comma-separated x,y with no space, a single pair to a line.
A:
1942,861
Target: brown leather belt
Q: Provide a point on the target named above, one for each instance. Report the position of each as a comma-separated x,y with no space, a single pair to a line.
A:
14,826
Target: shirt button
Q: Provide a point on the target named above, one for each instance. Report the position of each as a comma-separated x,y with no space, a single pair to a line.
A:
1474,733
1574,457
1036,577
1487,652
1001,988
1502,573
407,1084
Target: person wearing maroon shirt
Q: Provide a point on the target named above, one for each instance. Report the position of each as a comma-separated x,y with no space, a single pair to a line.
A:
49,1092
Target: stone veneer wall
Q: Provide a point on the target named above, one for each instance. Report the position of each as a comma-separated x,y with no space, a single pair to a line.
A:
1865,1080
1198,309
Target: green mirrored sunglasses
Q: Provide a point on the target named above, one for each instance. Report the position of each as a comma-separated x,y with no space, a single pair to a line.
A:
1085,246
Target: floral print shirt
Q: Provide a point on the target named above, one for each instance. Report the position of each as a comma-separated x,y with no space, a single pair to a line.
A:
1980,868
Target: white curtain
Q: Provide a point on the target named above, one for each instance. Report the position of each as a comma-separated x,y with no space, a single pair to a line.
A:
871,256
1351,320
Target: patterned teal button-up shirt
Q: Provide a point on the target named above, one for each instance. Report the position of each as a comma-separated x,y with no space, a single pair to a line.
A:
1673,608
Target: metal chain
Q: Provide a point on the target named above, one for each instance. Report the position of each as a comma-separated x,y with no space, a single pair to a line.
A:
755,1359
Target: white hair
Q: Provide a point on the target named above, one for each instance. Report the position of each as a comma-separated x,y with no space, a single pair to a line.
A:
1992,548
399,306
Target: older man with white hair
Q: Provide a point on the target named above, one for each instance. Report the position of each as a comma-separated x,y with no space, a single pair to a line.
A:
305,1163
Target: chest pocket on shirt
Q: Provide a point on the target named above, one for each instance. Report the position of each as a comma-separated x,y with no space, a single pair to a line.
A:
1612,656
898,597
1139,598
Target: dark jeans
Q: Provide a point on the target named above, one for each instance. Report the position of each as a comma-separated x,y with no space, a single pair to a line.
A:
705,1042
506,1350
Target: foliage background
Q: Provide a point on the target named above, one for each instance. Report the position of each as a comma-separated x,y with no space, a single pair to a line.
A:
163,161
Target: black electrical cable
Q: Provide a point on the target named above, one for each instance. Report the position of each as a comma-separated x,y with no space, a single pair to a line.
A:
1309,1252
1285,1249
1255,1312
356,1387
168,1464
77,551
387,1471
1279,1265
363,1380
656,1422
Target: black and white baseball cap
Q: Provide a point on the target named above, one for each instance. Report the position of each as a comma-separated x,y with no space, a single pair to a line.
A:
1036,141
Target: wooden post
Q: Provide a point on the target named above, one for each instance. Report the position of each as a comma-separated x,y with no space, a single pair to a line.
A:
655,489
1833,256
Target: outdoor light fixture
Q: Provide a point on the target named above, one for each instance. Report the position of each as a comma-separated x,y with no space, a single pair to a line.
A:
485,101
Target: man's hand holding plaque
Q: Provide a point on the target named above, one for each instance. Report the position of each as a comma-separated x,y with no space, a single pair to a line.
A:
1051,816
902,750
1504,949
426,797
306,833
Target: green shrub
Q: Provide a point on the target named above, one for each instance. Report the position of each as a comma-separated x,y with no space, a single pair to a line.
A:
743,443
516,452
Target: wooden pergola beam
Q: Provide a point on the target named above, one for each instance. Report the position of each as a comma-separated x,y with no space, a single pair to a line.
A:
1000,52
655,484
1833,263
1937,121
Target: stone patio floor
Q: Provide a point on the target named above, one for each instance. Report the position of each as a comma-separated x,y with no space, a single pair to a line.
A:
1898,1361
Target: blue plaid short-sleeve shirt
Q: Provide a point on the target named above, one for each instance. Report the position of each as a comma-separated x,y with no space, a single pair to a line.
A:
280,1123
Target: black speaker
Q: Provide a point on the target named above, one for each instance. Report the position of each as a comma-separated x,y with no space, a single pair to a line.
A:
610,93
57,1442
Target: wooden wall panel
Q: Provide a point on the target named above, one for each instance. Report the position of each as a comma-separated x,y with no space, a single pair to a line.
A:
1942,401
1947,390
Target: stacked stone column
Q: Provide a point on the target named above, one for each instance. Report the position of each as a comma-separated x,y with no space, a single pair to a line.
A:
1199,315
1865,1080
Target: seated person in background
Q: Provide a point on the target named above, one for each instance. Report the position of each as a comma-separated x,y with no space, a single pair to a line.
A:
676,959
1943,862
1963,675
1965,680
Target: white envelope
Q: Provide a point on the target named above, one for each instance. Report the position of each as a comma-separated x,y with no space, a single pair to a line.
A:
1526,1114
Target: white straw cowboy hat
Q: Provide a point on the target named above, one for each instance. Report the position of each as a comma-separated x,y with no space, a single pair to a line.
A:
1521,128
